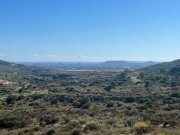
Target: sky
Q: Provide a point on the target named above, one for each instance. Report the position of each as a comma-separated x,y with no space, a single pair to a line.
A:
89,30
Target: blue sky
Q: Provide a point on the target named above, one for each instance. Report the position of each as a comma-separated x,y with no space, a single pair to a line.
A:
89,30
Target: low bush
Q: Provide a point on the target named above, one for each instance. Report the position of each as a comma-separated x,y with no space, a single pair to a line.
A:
73,125
91,127
37,96
109,88
110,104
50,132
21,97
142,100
129,99
11,99
140,128
83,103
76,132
170,123
13,122
47,120
129,123
175,94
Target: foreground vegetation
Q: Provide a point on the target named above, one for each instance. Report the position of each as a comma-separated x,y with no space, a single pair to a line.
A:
47,102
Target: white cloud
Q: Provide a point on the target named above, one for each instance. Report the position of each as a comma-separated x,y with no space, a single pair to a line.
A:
82,56
2,55
51,55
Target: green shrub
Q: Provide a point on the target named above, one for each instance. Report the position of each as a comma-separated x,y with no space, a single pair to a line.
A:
129,99
37,96
83,103
109,88
19,98
129,123
170,123
73,125
148,83
175,94
76,132
48,120
91,127
110,104
142,100
13,122
54,101
50,132
11,99
140,128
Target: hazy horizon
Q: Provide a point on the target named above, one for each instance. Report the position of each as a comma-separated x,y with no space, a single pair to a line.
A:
83,61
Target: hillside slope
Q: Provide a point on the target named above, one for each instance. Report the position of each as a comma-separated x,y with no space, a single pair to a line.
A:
10,68
171,68
164,74
17,76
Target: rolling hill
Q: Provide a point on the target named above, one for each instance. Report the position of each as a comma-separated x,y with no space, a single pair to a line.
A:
170,68
128,64
95,66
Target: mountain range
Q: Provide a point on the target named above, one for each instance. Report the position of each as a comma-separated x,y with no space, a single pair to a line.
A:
100,66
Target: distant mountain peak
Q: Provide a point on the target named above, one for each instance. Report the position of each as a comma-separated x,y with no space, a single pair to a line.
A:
128,64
